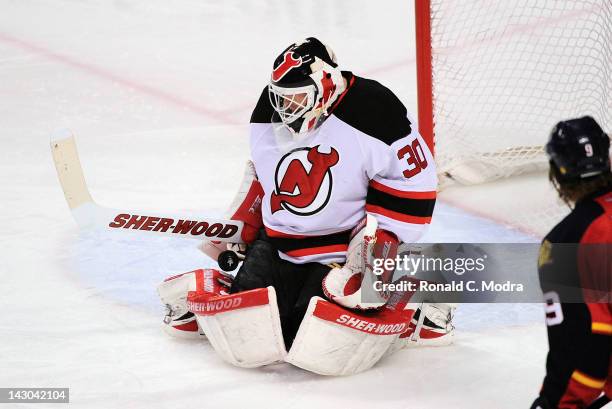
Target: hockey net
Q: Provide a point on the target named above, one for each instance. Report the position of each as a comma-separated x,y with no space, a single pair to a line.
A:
495,76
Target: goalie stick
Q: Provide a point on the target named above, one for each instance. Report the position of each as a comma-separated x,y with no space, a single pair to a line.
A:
90,215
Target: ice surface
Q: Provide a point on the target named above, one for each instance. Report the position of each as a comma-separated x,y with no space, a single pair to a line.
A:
158,94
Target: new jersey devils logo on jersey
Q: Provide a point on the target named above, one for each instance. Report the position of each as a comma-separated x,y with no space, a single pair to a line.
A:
303,181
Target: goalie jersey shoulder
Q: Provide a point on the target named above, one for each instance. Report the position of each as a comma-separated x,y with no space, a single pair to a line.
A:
373,109
263,112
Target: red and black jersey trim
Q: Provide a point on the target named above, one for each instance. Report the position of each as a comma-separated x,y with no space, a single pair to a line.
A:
300,246
373,109
409,207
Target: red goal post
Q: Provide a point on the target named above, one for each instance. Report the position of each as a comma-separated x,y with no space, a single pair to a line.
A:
424,74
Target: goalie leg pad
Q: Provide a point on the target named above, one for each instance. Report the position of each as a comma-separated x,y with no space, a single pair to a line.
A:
432,325
335,341
243,328
179,321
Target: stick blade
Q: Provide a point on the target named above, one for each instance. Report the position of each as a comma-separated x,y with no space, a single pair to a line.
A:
69,171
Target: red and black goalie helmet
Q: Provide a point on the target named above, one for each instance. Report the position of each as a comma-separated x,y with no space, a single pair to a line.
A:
305,83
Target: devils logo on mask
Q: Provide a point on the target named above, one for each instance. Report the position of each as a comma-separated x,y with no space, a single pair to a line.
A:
303,181
289,62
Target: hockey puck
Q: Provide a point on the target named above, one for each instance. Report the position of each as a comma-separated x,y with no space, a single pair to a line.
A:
228,260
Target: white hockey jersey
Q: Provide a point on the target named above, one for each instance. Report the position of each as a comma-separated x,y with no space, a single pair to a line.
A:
366,157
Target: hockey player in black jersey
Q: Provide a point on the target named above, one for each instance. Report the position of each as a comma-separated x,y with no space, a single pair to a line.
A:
338,172
579,367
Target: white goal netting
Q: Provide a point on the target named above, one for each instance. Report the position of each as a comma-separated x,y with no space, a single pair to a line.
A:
504,72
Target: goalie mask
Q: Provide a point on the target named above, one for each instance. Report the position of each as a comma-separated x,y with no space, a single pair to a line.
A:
305,83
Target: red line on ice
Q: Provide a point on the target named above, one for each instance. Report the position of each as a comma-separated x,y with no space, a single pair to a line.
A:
108,75
224,116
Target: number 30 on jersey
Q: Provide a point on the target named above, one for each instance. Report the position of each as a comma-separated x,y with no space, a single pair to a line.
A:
414,155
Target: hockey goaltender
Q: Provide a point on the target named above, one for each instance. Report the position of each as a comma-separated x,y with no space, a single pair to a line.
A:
339,176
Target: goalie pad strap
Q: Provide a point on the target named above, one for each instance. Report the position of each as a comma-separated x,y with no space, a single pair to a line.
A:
203,305
384,323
